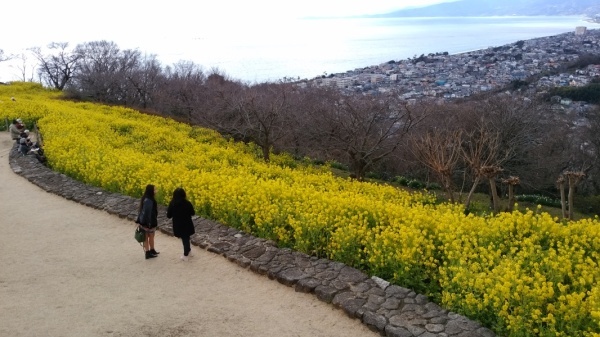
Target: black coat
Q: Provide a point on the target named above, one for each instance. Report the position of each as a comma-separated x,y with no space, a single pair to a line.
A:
149,215
181,212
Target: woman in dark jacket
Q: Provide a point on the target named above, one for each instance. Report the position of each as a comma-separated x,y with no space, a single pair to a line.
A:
181,211
148,220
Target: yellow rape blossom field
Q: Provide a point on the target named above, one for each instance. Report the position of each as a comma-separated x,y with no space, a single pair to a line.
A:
519,273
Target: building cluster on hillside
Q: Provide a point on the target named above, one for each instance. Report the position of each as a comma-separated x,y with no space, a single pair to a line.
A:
442,76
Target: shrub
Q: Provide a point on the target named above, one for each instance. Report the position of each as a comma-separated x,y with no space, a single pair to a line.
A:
339,166
589,93
538,199
433,186
416,184
400,180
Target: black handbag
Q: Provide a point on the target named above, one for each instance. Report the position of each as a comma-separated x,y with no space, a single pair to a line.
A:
140,235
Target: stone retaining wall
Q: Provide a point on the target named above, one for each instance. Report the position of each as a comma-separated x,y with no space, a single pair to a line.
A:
390,310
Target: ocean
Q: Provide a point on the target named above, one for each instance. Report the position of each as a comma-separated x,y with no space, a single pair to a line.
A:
307,48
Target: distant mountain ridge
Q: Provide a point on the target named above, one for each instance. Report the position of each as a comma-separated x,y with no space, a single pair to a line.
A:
589,8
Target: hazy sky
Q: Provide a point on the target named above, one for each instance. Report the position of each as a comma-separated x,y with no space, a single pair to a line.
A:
26,23
58,13
142,24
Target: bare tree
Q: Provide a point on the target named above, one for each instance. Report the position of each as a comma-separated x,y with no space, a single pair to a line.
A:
560,182
143,81
58,67
4,57
260,114
179,92
103,70
26,73
305,136
504,132
366,129
589,148
440,150
491,173
481,151
521,126
215,101
573,177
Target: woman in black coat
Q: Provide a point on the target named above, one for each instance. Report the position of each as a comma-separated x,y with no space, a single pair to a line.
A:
148,219
181,211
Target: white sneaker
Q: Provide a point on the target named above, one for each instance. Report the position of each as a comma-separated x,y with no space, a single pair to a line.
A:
183,258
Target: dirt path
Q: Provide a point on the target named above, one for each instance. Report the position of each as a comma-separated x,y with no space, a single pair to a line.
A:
69,270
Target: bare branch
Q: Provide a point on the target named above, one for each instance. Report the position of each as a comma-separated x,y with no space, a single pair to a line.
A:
440,151
59,66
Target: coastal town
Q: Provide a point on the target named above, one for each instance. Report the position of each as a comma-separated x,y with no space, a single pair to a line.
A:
442,76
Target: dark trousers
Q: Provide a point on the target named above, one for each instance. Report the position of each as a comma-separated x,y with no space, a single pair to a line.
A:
186,244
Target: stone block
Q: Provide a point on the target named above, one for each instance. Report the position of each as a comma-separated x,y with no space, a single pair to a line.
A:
290,276
307,285
352,307
374,322
325,293
393,331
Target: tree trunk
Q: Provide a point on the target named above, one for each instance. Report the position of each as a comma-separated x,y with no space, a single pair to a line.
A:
511,198
450,194
571,196
495,201
468,201
360,171
266,153
563,201
359,166
446,183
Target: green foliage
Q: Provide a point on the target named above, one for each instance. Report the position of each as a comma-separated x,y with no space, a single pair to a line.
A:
589,93
339,166
538,199
434,186
417,185
122,130
518,84
400,180
408,182
584,61
378,175
285,160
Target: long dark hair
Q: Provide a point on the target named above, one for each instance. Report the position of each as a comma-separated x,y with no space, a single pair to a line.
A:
148,194
178,196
